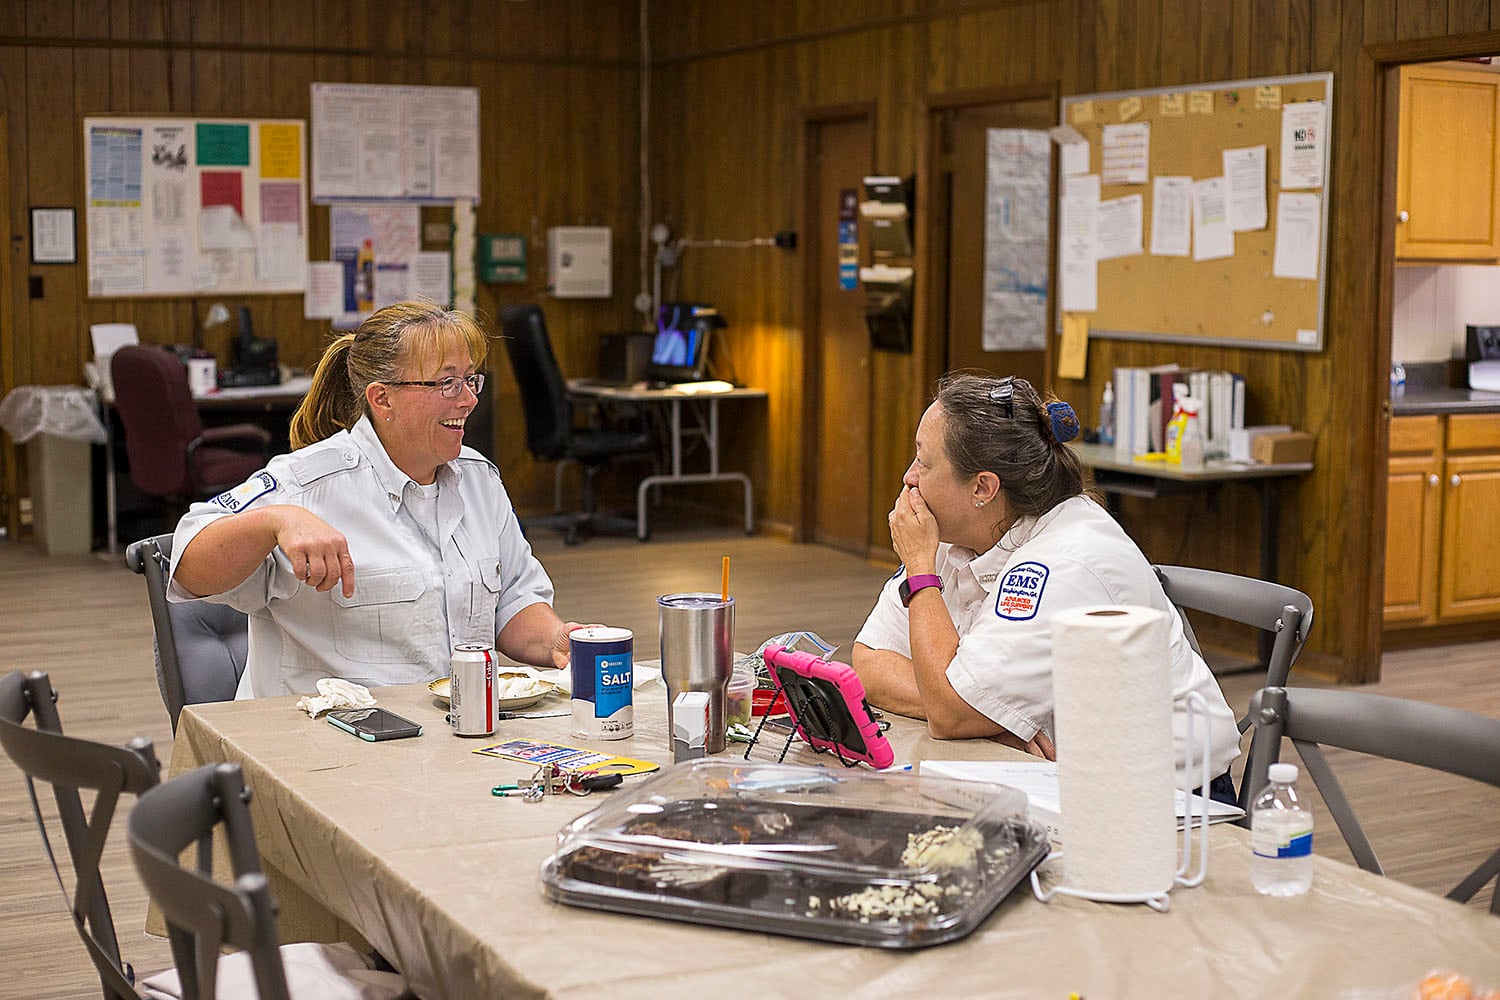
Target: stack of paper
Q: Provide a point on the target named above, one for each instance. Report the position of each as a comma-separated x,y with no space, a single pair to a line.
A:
1038,779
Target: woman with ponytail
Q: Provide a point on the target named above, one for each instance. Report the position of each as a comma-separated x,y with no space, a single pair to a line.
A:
997,532
381,542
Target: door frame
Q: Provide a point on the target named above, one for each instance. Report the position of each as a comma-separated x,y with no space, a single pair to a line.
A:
1388,58
930,303
809,120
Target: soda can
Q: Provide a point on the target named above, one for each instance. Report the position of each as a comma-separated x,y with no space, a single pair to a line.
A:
603,672
471,690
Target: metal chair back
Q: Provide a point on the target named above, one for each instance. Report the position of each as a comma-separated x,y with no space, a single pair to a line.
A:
68,765
1434,736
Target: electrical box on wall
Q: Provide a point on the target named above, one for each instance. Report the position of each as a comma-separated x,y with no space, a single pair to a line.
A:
578,262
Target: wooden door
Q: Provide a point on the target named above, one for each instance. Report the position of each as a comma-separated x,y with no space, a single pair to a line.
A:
1448,165
964,137
1471,537
837,481
1412,516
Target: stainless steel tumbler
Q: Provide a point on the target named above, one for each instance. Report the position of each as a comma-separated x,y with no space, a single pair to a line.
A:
697,653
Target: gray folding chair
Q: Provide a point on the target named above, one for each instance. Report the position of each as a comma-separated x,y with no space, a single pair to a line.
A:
1282,612
1413,732
201,647
44,754
204,914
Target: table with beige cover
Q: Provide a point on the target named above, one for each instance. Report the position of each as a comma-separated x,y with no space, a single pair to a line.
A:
404,846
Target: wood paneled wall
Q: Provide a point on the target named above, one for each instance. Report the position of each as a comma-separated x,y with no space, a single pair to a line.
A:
730,88
731,82
558,84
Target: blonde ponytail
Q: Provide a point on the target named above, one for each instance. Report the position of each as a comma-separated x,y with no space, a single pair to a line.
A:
329,405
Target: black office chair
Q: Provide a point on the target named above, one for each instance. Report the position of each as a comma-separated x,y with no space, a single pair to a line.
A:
550,432
1435,736
204,914
201,647
172,455
44,754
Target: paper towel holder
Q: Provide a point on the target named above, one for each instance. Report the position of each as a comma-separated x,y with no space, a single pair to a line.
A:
1197,709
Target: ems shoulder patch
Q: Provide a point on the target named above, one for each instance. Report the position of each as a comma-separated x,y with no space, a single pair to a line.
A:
1020,592
246,493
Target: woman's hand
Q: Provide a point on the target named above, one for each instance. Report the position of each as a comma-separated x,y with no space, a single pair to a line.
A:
319,555
914,533
562,644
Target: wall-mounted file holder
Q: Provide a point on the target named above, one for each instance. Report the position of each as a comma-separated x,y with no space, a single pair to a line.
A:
888,306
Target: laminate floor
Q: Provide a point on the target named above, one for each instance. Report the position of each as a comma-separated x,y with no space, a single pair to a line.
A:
84,621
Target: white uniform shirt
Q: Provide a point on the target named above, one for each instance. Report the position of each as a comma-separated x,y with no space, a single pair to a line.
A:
415,597
1003,667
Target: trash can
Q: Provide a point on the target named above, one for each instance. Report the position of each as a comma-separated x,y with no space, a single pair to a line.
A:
57,423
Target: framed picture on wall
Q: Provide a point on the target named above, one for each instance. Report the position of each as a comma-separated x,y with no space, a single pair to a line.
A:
54,236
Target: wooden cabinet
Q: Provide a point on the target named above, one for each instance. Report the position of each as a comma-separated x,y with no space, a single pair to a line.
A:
1442,535
1471,518
1448,165
1413,515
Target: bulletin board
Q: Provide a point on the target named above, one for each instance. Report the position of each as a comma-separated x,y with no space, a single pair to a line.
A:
1234,300
191,206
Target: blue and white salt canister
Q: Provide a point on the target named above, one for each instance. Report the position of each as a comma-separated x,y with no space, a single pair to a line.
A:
603,671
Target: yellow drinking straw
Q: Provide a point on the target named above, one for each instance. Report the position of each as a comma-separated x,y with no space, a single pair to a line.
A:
724,581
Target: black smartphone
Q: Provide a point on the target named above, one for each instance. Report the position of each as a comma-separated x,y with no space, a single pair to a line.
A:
374,724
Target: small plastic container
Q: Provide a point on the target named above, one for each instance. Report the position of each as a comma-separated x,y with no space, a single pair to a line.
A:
737,697
767,701
888,860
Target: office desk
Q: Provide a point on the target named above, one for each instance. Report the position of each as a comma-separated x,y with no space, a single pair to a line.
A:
404,841
244,399
702,409
1118,477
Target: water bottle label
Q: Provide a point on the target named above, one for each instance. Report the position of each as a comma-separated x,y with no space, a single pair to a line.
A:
1281,835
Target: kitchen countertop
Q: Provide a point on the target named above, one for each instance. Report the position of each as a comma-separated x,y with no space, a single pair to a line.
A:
1423,401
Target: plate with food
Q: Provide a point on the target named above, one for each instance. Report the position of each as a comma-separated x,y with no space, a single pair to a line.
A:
514,689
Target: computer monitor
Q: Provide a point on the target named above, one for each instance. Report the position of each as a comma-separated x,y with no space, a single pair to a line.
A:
680,351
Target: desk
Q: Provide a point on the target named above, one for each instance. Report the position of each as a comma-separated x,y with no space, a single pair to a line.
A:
703,410
243,399
404,842
1118,477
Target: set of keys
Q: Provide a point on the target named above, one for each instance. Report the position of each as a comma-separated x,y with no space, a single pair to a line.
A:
550,779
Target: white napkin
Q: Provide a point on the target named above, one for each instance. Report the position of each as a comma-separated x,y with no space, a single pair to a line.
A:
327,971
646,671
334,692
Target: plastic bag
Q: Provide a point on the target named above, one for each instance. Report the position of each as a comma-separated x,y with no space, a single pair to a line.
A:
66,411
807,642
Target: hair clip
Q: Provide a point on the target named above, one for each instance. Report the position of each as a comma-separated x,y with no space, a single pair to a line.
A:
1004,394
1064,421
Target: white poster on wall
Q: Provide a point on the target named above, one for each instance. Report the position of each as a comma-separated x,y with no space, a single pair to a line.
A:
374,141
1017,210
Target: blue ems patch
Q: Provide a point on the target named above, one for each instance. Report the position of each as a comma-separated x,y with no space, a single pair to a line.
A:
1020,592
246,493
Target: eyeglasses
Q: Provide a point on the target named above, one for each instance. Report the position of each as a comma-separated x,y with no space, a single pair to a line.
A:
452,386
1004,394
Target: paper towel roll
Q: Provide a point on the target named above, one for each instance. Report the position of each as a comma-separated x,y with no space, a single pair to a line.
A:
1111,680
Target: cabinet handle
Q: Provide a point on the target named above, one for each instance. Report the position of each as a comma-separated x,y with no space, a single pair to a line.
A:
1454,480
1432,480
1402,216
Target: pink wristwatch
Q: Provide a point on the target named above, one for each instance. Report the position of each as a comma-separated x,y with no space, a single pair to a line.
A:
912,584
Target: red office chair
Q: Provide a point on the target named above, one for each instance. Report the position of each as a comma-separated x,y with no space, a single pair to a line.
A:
171,454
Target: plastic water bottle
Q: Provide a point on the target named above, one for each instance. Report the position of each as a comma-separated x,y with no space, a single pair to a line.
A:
1107,415
1281,833
1398,380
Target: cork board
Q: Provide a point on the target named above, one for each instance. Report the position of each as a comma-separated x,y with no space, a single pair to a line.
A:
1235,300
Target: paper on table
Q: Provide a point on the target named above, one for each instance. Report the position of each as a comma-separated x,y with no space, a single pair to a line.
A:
1038,779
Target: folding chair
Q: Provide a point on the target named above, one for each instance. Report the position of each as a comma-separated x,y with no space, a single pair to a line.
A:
204,914
1286,614
1435,736
201,647
44,754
